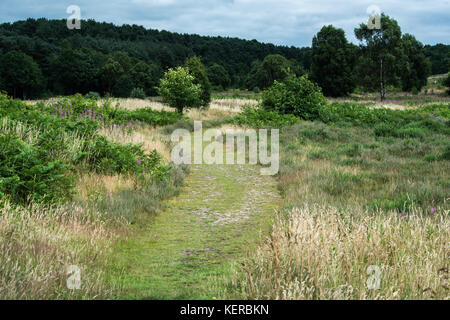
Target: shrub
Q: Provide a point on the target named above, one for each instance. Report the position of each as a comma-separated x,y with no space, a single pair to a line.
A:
138,93
92,95
148,116
27,173
296,96
196,68
257,117
179,91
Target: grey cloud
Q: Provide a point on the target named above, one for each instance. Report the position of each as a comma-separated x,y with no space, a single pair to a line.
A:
287,22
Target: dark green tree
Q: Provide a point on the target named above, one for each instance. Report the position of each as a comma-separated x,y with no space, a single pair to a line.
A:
447,81
146,76
179,90
439,56
333,62
275,67
123,86
251,81
380,64
296,68
74,70
20,75
110,74
218,76
417,67
196,68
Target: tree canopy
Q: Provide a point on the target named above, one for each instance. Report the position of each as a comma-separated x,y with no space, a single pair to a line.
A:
20,75
332,63
179,91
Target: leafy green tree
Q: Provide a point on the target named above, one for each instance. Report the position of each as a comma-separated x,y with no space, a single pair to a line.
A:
333,62
74,70
447,81
275,67
439,55
124,60
111,73
20,74
219,76
179,90
251,81
380,64
295,95
417,67
146,76
296,68
198,71
123,86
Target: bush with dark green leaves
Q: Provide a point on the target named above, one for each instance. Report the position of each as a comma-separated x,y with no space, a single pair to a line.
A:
447,83
296,96
257,117
28,173
196,68
92,95
138,93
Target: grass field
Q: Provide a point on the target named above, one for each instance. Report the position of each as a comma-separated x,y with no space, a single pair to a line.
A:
354,199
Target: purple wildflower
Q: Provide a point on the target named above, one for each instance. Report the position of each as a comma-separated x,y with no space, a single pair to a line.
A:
139,162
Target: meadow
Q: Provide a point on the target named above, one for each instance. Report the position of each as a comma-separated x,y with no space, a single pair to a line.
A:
363,185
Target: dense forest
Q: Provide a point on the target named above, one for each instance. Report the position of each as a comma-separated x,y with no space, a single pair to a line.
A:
89,59
43,57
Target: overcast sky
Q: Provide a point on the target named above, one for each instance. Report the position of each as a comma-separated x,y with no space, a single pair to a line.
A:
284,22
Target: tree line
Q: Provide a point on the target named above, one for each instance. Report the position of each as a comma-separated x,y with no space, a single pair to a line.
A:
40,57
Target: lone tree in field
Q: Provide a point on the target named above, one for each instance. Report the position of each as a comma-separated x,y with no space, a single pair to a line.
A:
390,59
333,62
179,91
198,71
380,64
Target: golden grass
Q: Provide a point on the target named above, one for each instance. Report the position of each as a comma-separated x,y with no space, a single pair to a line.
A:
321,252
150,138
231,105
134,104
91,185
38,244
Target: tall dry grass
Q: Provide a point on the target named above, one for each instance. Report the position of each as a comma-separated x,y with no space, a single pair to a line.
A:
321,252
38,244
150,138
